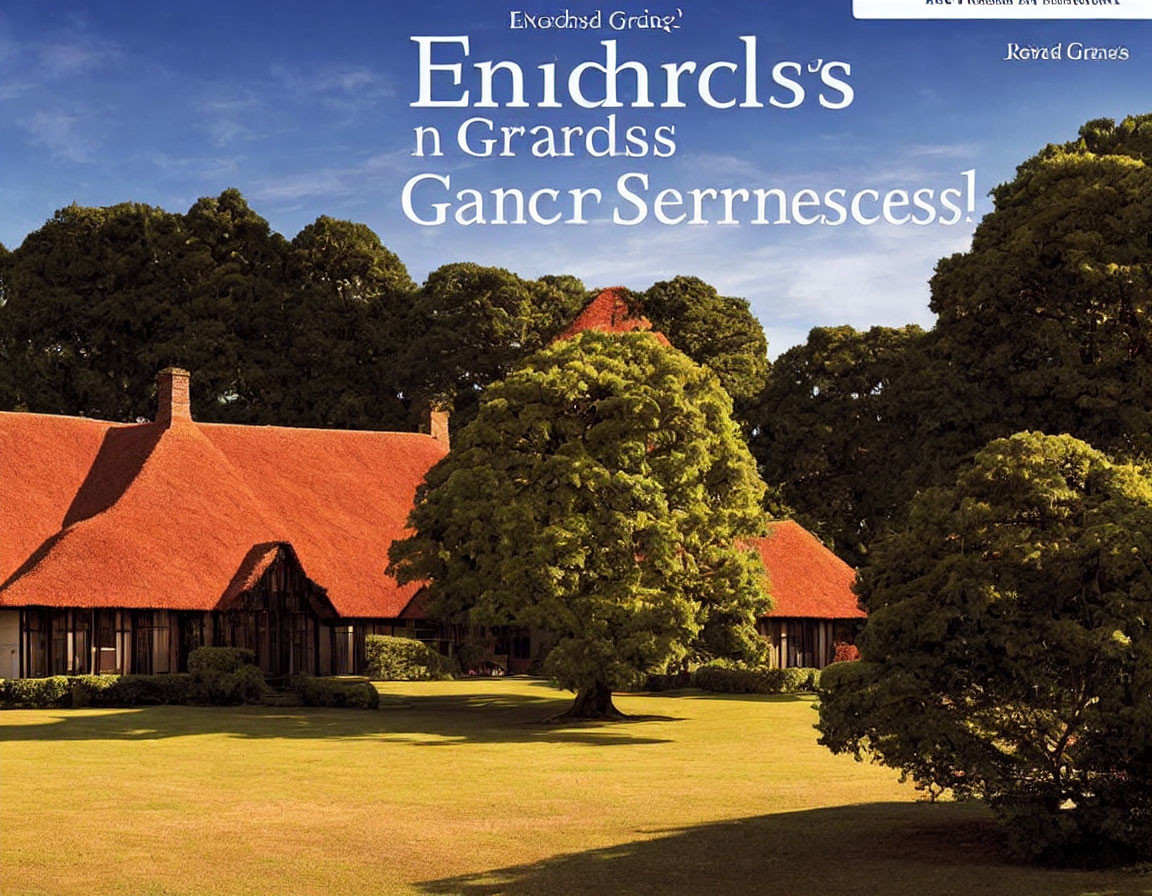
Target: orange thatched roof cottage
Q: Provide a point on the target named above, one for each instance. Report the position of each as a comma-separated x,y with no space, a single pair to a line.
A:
815,607
126,546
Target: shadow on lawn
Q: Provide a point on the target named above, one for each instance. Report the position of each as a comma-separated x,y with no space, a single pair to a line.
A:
878,849
419,720
696,694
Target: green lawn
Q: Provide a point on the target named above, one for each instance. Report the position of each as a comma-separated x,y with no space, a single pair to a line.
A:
456,787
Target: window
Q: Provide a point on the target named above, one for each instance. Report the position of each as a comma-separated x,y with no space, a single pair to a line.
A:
151,642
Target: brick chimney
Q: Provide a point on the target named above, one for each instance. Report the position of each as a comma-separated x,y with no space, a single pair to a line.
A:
434,422
172,402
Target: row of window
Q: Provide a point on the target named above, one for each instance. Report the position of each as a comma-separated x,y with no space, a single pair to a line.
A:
147,642
80,642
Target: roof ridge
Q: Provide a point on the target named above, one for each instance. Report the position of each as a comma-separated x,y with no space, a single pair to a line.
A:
265,427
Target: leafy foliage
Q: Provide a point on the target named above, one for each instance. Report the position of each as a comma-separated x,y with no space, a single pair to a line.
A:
1044,324
717,331
473,324
225,675
834,435
1008,649
335,693
596,496
391,658
332,344
742,678
307,333
77,691
35,693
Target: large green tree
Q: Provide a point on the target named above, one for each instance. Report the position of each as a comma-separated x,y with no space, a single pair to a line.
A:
1043,324
1046,322
1008,649
85,297
598,495
340,334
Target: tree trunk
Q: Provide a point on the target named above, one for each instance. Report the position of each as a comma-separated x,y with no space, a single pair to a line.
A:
593,702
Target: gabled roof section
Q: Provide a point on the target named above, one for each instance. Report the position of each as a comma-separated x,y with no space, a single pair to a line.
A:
343,497
805,579
101,514
609,313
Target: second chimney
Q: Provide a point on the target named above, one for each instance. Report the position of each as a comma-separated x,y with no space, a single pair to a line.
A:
172,402
434,422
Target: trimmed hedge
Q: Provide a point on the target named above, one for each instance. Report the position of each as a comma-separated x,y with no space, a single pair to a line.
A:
404,659
153,690
733,678
36,693
79,691
93,690
669,681
225,675
334,692
218,675
130,690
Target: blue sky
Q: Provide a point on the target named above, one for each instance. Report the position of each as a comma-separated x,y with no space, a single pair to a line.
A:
306,108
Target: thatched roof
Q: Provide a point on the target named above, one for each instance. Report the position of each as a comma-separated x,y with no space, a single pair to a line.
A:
608,313
806,580
184,516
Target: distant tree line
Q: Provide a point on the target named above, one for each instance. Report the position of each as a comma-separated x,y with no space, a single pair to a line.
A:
326,329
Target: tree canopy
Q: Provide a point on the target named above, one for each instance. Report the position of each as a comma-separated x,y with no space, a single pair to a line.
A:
718,331
1044,323
326,329
305,333
472,324
1008,650
833,436
598,495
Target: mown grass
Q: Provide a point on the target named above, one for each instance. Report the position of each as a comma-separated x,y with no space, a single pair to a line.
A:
457,787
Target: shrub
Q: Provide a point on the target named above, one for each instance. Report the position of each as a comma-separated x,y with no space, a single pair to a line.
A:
225,675
667,681
36,693
846,653
404,659
1011,611
150,690
129,690
734,678
477,658
93,690
205,661
333,692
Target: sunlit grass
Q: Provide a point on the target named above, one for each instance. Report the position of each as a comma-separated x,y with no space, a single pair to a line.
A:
457,787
